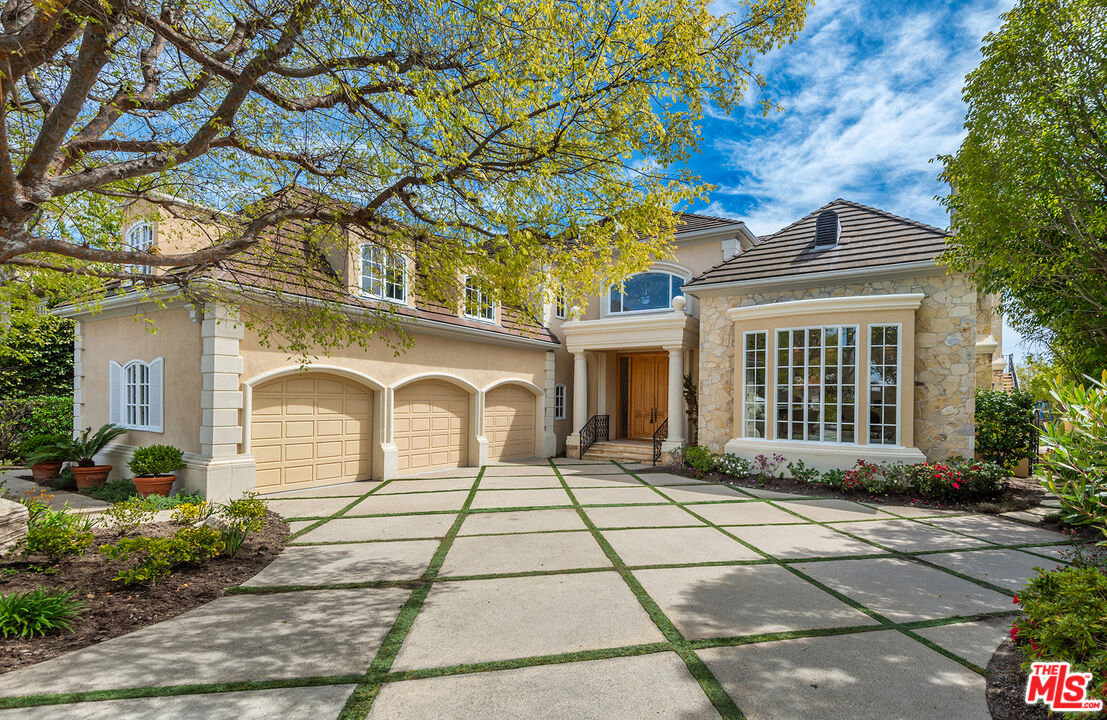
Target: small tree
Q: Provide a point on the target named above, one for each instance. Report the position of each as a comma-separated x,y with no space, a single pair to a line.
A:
1005,430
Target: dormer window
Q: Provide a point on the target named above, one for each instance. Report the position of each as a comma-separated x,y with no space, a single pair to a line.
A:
828,230
139,238
383,274
478,303
644,292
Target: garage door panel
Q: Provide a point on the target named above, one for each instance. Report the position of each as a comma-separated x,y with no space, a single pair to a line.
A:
430,426
509,416
311,431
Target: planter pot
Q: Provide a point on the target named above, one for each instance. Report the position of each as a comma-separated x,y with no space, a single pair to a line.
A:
90,477
45,471
157,485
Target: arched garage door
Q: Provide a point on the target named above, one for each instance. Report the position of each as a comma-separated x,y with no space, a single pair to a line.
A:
509,423
431,426
309,430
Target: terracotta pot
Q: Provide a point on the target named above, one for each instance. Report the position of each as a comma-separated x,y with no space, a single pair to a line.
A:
157,485
45,471
90,477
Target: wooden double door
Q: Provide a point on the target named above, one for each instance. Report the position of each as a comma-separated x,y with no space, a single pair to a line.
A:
646,393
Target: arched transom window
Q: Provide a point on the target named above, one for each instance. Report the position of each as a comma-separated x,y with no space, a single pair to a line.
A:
645,291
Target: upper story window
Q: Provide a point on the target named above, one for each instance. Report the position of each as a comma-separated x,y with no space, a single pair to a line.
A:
559,304
478,303
645,291
383,273
139,238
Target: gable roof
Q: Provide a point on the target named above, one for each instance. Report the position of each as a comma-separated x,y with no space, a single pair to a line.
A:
693,222
871,238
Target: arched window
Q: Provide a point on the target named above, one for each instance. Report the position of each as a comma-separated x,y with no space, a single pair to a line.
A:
139,238
478,302
644,292
383,273
136,394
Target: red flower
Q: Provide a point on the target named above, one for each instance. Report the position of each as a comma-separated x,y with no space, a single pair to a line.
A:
1016,600
1014,632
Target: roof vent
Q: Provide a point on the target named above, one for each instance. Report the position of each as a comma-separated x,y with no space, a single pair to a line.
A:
828,229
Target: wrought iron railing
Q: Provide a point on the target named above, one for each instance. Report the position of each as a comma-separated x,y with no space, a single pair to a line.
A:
595,429
659,436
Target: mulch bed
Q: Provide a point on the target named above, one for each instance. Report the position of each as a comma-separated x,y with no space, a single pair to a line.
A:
113,610
1021,493
1006,688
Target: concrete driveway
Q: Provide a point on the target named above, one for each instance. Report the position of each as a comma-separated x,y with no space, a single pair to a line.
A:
575,591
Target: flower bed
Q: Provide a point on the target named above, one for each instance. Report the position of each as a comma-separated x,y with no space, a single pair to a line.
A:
75,581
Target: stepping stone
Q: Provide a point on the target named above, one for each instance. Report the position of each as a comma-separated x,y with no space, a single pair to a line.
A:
973,641
664,546
400,527
1010,569
829,510
326,701
908,535
799,541
498,619
429,485
745,513
648,686
357,562
702,493
618,495
232,638
642,516
521,521
999,531
519,498
867,676
310,507
494,554
712,602
904,591
410,503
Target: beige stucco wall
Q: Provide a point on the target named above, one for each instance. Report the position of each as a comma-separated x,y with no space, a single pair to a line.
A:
177,341
945,337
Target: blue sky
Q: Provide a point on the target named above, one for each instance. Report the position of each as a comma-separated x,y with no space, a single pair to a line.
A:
871,92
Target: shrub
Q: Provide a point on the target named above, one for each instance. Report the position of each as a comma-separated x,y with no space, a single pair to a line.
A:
38,612
168,502
190,513
897,474
958,479
242,517
13,412
734,466
835,478
800,472
1075,464
125,516
64,480
55,533
156,460
158,556
766,466
874,478
114,491
1065,618
700,460
49,415
1004,426
41,448
83,449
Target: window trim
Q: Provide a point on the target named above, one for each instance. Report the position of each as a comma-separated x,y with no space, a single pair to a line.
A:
898,386
560,401
745,419
129,233
483,297
389,256
559,305
857,434
119,388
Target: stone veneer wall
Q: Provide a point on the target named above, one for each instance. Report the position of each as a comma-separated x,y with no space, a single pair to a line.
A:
945,359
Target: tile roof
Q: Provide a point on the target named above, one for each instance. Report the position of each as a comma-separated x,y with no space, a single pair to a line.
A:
870,238
692,222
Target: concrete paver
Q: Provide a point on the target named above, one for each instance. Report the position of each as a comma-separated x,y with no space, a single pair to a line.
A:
380,528
799,541
669,546
350,563
521,521
490,554
309,507
1010,569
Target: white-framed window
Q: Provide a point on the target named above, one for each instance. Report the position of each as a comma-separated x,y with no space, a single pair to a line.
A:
755,383
645,292
884,384
816,384
559,304
135,391
139,238
383,274
559,402
478,302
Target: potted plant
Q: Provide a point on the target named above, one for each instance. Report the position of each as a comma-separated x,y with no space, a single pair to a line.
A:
153,469
44,456
81,451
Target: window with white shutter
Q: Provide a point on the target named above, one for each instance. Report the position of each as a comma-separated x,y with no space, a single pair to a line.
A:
136,391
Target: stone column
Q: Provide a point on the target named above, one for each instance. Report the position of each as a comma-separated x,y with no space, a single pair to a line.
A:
676,396
221,471
549,437
580,391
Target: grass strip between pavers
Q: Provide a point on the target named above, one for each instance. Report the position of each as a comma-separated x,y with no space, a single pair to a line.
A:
337,514
361,700
710,685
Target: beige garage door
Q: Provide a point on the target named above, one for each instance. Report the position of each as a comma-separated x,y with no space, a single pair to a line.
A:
509,423
430,426
311,430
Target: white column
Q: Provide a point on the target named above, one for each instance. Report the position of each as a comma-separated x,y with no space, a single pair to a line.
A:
580,391
676,396
221,471
549,438
601,383
78,380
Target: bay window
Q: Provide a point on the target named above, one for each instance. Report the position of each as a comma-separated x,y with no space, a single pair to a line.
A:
755,369
883,384
816,384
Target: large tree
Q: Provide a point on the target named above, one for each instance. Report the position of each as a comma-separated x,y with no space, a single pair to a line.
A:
514,139
1029,184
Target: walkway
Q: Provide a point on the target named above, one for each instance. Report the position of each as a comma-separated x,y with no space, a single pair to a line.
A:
578,591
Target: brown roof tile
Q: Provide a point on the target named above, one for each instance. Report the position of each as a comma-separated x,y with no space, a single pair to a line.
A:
870,238
692,222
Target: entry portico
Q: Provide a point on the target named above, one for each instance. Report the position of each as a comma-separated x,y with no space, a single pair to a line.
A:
639,365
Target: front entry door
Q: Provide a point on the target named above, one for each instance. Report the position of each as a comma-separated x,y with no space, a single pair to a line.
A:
648,396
